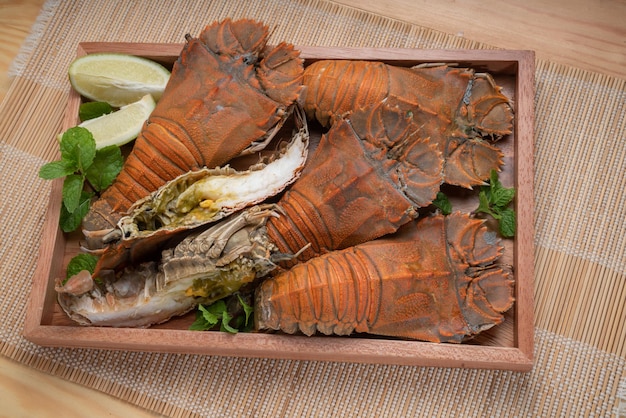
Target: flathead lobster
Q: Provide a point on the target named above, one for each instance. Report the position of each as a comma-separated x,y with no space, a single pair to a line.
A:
456,108
434,280
368,176
201,119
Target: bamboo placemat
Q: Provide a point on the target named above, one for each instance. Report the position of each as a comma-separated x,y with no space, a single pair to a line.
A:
580,283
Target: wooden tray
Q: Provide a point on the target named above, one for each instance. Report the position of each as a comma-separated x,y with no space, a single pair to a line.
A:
506,346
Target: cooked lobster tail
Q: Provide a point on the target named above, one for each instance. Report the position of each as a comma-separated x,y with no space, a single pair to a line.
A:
361,183
434,280
227,93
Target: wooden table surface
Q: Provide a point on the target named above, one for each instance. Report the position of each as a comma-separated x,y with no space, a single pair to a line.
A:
590,34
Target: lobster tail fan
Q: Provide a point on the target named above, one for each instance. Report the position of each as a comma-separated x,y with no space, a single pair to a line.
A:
469,162
485,290
233,39
488,109
280,74
489,294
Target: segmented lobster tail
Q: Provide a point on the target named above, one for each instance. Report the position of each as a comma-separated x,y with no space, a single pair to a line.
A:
433,280
335,87
357,186
227,92
326,294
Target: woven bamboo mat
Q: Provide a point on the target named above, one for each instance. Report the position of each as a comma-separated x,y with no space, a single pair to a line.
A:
580,283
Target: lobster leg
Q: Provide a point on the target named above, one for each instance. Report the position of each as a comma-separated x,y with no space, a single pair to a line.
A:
434,280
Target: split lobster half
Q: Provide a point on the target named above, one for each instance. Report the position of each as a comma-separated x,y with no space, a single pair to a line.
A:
229,93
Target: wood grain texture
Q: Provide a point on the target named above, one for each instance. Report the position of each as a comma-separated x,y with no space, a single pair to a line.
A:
16,19
588,34
25,392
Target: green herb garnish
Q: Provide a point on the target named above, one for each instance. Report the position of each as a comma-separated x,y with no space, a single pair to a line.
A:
92,110
493,200
208,317
81,262
80,162
443,203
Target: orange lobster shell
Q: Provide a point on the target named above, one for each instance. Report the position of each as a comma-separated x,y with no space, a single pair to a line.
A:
455,107
434,280
367,177
227,90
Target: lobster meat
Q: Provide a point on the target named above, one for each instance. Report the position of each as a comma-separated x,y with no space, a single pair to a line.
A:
201,197
201,119
185,275
457,108
434,280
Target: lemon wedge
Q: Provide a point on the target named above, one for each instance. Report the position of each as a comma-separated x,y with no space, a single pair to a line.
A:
121,126
118,79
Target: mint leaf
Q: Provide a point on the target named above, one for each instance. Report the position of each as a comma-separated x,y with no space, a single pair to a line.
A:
226,317
211,315
200,324
507,223
81,262
79,162
56,169
71,221
494,181
106,165
92,110
217,308
483,202
78,147
493,200
72,187
207,317
249,310
501,197
443,203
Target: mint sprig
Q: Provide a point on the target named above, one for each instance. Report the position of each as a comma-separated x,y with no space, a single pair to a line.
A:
81,163
209,317
493,200
92,110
